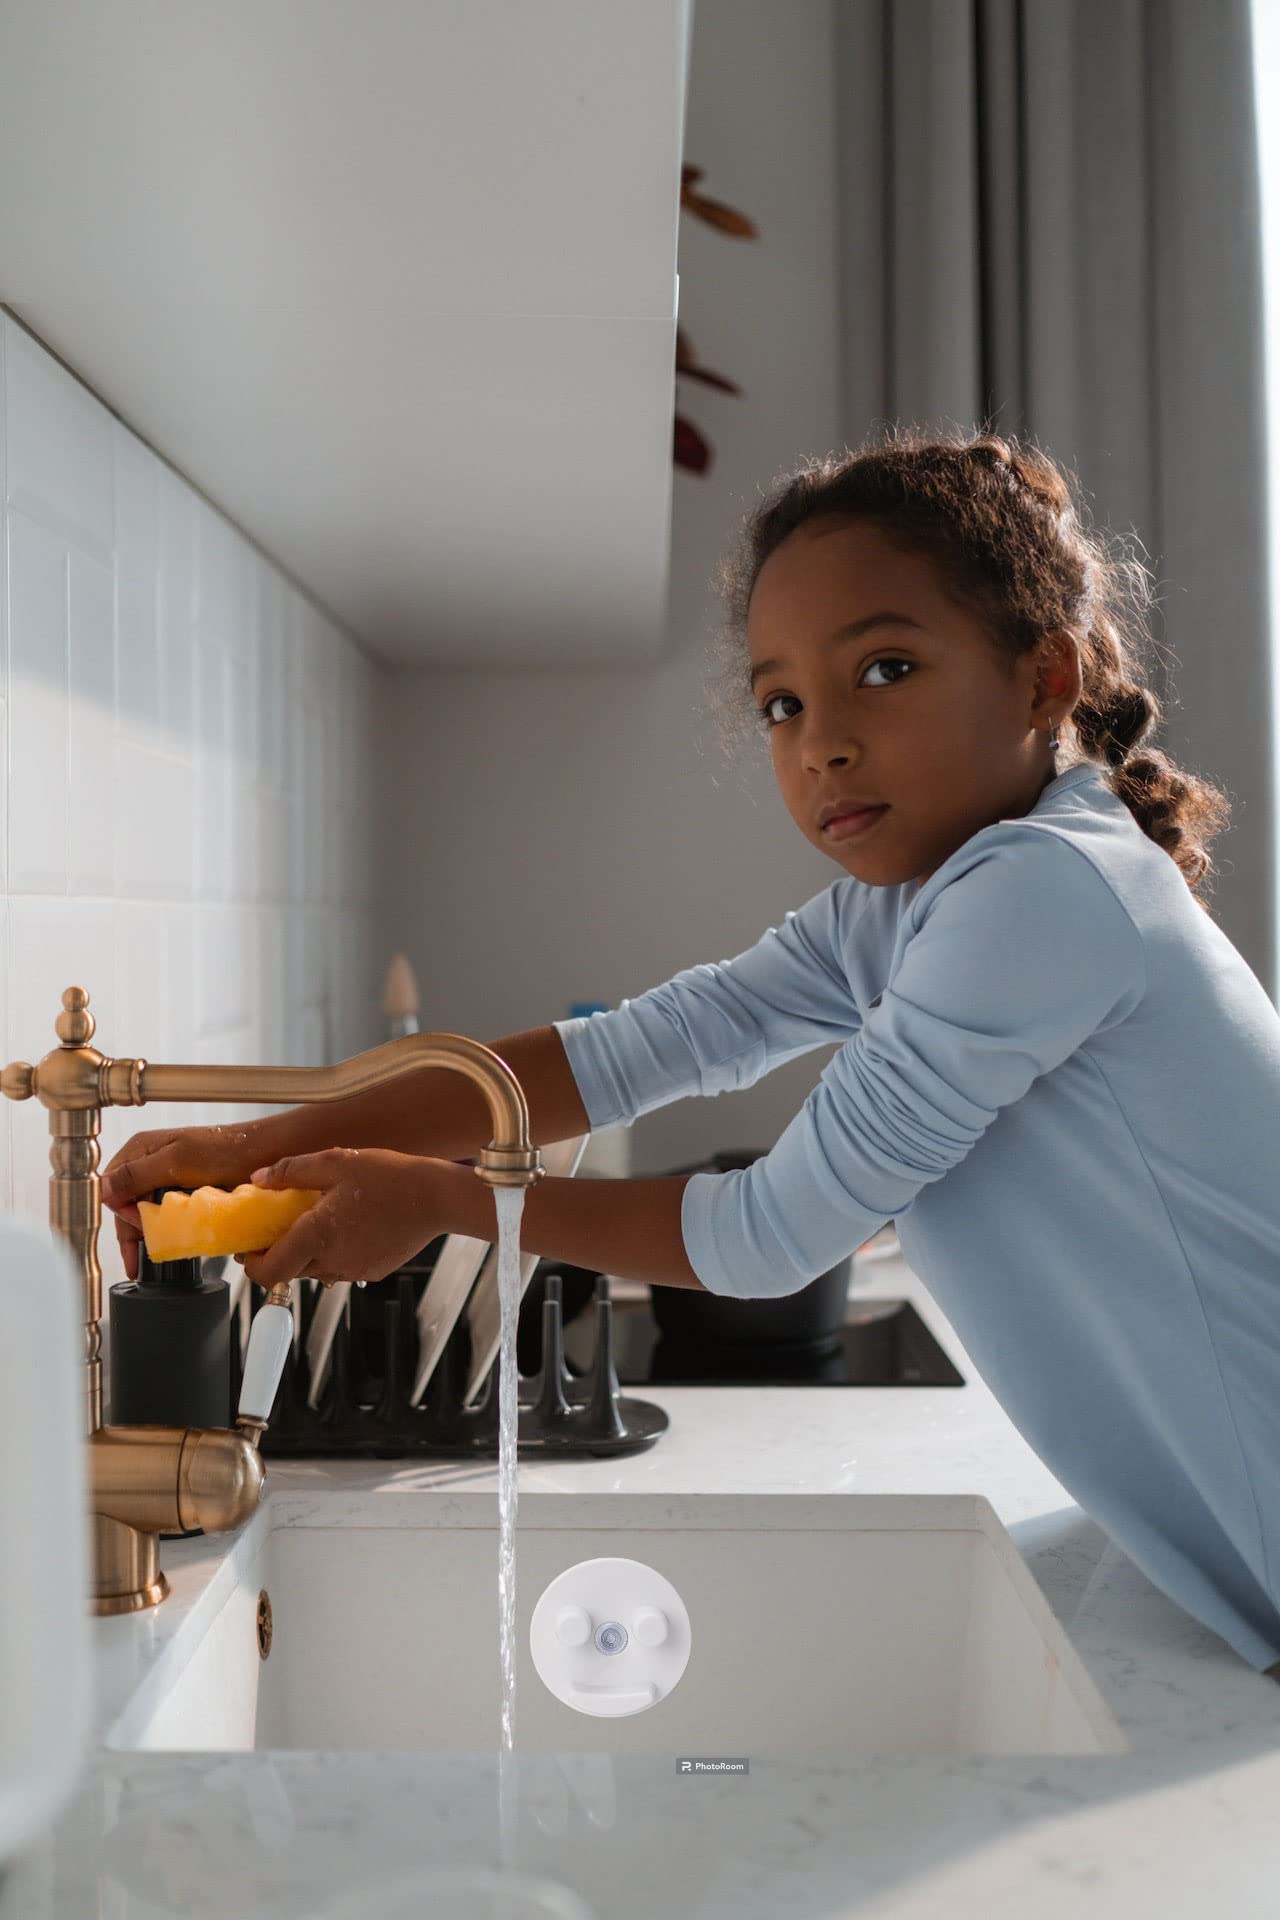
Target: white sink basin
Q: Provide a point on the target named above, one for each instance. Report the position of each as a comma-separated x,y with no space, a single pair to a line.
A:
830,1625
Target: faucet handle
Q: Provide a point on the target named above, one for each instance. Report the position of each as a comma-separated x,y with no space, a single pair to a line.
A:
270,1343
18,1080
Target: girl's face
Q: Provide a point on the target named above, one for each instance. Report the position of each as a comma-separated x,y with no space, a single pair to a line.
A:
919,713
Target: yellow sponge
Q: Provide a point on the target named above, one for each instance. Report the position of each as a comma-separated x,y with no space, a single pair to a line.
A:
247,1220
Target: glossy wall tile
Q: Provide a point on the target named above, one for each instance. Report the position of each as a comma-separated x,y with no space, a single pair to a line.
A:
185,750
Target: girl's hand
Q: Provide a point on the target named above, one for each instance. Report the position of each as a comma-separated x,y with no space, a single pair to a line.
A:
378,1209
180,1157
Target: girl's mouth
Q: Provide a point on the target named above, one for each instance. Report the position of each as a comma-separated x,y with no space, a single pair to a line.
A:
846,826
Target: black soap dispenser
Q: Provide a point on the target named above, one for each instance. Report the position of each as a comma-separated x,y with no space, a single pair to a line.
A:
170,1345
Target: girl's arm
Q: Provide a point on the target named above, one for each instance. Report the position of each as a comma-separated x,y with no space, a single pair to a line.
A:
378,1208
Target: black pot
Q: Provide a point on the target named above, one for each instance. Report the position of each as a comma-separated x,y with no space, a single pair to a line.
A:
813,1314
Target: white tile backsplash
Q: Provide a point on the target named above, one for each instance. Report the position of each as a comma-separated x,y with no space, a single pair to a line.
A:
137,587
211,728
175,601
91,730
185,760
59,466
39,707
155,822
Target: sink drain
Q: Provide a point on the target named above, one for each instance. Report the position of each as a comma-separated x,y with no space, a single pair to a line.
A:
264,1623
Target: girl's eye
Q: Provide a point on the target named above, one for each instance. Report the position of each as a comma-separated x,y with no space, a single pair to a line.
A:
889,660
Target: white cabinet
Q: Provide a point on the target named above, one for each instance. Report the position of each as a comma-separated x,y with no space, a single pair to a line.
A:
393,284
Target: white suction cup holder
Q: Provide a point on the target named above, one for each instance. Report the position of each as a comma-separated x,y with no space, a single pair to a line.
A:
610,1637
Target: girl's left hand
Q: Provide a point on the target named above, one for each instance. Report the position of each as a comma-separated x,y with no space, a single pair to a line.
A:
377,1210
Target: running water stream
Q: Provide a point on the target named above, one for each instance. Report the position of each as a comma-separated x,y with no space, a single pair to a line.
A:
510,1206
509,1202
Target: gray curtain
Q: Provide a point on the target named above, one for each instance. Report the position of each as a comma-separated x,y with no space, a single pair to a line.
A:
1050,218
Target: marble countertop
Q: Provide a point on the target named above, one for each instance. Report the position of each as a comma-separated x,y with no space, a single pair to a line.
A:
1187,1818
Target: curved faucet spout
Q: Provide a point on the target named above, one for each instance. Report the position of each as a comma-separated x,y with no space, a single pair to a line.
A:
509,1160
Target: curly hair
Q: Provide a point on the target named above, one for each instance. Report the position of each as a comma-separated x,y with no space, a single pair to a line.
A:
1011,545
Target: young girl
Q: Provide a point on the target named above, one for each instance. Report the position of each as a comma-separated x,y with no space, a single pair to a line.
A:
1055,1071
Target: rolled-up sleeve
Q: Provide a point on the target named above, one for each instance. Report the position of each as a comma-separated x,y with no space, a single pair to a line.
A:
719,1027
1016,961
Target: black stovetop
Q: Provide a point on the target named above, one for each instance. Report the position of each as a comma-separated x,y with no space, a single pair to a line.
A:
883,1343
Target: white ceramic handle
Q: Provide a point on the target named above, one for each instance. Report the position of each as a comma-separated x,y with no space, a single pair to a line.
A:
270,1339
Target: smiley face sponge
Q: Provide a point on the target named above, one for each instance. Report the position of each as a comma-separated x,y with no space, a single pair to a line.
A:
247,1220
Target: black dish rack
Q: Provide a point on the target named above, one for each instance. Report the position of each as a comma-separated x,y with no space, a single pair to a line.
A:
364,1412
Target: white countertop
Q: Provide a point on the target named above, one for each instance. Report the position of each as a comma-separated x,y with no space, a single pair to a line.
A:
1189,1818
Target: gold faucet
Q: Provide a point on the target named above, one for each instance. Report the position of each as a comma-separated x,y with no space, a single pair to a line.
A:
145,1481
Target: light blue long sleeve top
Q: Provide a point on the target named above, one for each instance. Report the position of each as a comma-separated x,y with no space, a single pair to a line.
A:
1062,1080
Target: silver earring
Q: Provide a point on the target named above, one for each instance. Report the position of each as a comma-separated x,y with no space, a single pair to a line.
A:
1053,738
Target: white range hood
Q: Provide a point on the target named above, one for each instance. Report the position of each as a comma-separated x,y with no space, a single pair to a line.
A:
393,283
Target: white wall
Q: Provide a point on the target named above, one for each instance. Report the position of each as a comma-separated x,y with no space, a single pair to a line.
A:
187,815
552,836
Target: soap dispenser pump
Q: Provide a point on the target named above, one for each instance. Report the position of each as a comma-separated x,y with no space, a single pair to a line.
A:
170,1361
